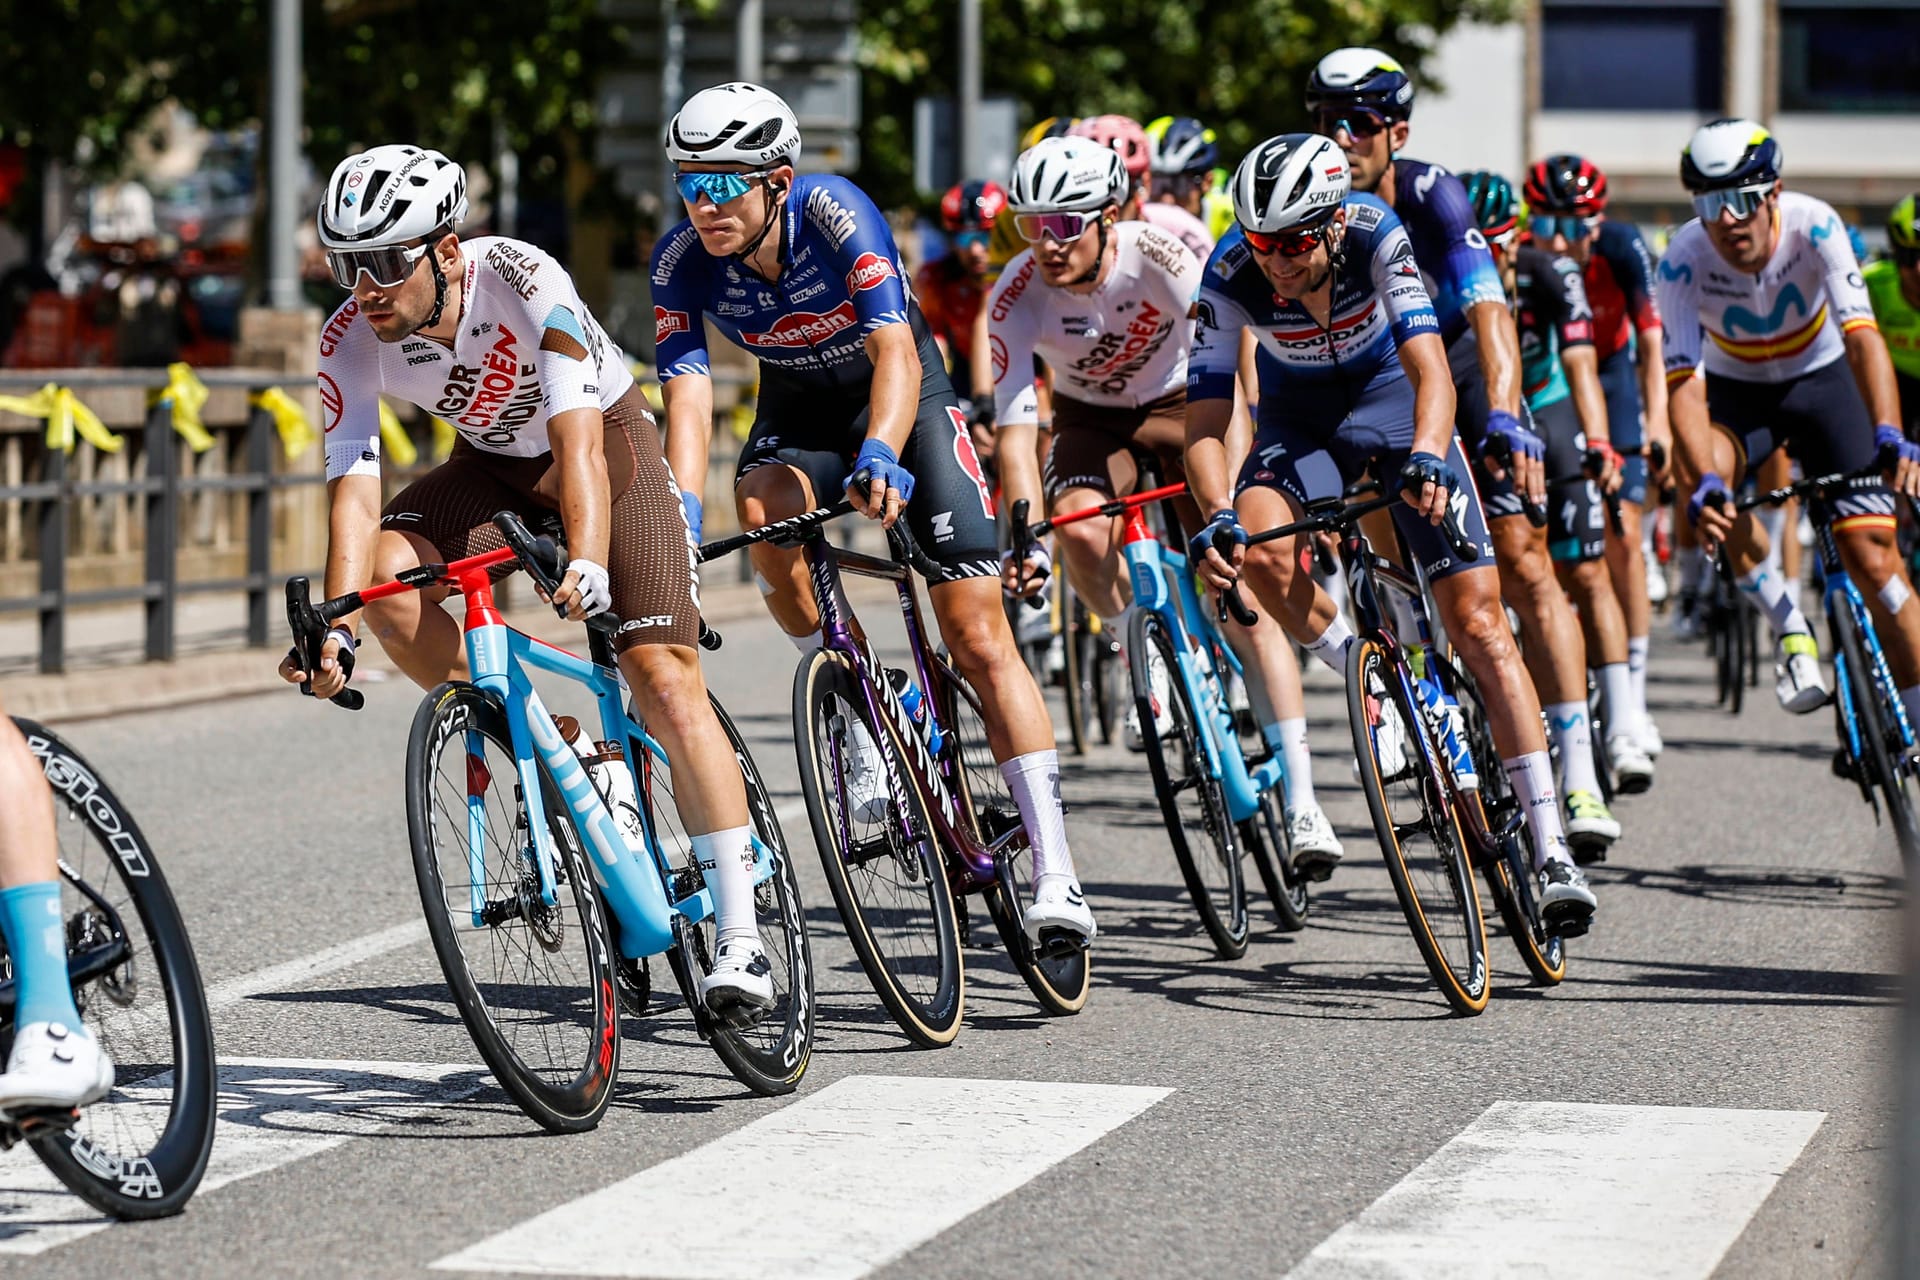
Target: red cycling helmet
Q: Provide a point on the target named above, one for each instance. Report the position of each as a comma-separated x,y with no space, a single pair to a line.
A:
972,205
1566,184
1124,135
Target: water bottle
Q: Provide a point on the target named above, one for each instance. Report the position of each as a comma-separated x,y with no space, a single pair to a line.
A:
916,704
1444,718
606,765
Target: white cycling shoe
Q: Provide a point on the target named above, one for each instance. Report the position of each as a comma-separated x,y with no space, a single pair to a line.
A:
1158,692
1058,904
866,773
53,1065
1632,765
1799,685
742,977
1316,849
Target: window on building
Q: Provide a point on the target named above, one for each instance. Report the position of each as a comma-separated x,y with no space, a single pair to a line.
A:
1627,56
1850,56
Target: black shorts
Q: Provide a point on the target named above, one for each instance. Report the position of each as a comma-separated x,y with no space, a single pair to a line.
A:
1821,421
1576,513
1626,427
818,430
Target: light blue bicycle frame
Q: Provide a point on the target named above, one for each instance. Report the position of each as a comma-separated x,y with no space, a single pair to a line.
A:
1839,594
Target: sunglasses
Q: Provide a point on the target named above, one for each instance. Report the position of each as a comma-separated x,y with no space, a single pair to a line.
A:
1503,235
717,187
1545,226
970,239
1288,244
1182,184
1359,122
387,267
1742,202
1061,228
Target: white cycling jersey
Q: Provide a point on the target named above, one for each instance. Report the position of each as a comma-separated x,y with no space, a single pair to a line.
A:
1788,320
1121,346
526,349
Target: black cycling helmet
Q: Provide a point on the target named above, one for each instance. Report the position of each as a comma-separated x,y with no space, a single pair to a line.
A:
1361,77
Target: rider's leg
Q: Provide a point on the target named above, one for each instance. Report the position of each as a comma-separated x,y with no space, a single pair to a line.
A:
414,628
763,495
1090,553
1627,574
1870,551
1556,653
1273,688
1281,588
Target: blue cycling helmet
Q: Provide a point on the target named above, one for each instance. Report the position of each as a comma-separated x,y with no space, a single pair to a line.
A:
1361,77
1182,145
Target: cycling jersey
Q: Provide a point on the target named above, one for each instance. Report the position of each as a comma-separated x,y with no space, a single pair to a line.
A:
950,297
1120,346
1177,222
527,349
1772,327
1619,280
1551,314
1899,320
840,280
1456,265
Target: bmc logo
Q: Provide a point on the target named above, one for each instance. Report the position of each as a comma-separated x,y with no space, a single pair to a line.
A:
868,270
667,323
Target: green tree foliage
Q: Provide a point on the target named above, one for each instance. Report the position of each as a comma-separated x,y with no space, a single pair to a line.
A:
1239,65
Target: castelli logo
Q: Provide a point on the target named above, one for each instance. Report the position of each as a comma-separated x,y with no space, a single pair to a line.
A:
868,270
667,323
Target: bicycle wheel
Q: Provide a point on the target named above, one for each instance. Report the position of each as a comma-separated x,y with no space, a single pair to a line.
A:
1426,856
1741,640
1058,972
1079,675
533,982
1113,685
771,1055
1270,849
1191,801
1885,753
887,875
140,1151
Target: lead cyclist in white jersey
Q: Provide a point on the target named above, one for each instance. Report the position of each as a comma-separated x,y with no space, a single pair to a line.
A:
1793,359
492,336
1107,303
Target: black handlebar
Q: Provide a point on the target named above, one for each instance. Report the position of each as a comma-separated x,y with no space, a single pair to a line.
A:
1230,603
310,626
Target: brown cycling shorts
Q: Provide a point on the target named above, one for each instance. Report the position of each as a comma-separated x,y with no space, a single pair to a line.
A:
1095,447
650,559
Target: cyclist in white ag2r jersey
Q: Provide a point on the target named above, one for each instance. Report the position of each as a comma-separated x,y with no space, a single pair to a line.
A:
1763,293
1107,304
491,335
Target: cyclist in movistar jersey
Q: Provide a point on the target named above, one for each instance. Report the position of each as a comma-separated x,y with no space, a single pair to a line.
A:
1567,200
1762,292
1363,100
1353,377
55,1061
1893,286
803,272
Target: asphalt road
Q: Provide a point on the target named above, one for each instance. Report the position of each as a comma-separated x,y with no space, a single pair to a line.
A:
1745,960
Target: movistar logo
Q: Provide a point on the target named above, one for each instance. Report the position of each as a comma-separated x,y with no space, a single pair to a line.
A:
1824,230
1740,319
1677,271
1424,183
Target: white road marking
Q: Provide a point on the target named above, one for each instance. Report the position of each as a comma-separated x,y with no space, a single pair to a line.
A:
1572,1190
293,973
822,1177
272,1111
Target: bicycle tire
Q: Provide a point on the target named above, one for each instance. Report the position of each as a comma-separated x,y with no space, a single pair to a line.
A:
770,1056
512,1013
1218,895
1078,686
924,989
156,1050
1061,977
1877,731
1741,635
1270,849
1596,745
1445,890
1114,686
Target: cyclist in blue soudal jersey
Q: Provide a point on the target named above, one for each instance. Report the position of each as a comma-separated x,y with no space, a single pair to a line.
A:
803,273
1363,100
1353,378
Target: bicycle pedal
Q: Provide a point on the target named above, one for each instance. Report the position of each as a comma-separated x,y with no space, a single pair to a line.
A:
29,1123
1573,925
1315,867
739,1015
1844,766
1059,944
1588,850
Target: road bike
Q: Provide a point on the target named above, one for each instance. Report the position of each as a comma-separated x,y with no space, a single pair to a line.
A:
141,1151
548,879
947,829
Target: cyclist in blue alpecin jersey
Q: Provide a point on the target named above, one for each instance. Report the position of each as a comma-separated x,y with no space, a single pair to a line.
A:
803,273
1353,378
1363,100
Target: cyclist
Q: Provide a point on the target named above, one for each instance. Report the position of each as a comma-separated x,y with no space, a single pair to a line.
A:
1186,171
802,271
1792,358
950,291
1353,376
1363,100
1562,384
1893,285
1106,303
1129,140
490,334
55,1061
1567,198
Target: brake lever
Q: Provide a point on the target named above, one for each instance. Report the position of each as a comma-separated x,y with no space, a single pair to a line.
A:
309,641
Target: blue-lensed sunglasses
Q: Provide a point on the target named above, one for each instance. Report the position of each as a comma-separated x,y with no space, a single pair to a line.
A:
717,187
1544,226
969,239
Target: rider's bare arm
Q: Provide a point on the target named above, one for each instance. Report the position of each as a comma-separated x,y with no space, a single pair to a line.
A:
1499,354
689,429
1873,370
1650,360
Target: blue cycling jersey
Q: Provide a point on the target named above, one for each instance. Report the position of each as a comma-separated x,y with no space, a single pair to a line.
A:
840,280
1454,259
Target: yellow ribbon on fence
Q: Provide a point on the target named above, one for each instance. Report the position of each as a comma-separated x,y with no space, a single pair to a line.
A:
185,396
444,436
398,444
65,416
296,432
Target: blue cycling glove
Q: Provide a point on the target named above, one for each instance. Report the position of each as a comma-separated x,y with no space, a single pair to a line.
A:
1422,467
1711,489
1507,435
695,514
878,460
1226,520
1894,447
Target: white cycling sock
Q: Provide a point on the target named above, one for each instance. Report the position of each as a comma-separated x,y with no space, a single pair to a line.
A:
1532,779
1765,587
1910,699
1034,780
1331,648
1616,687
807,643
1572,726
1292,746
726,859
1637,668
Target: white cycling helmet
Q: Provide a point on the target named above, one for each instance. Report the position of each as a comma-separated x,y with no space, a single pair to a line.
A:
1060,175
735,123
391,195
1294,180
